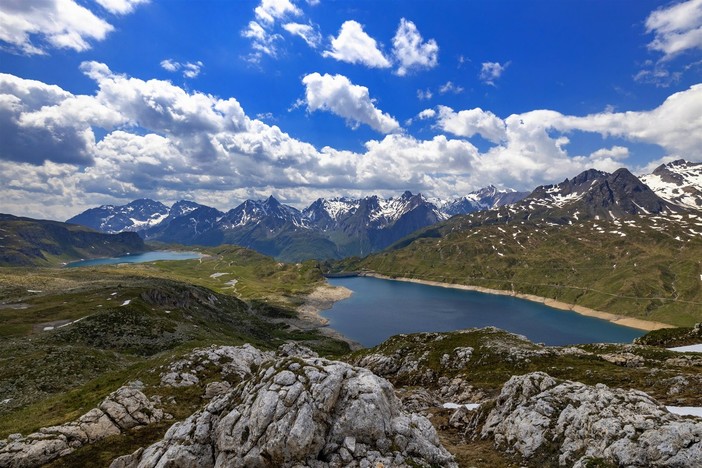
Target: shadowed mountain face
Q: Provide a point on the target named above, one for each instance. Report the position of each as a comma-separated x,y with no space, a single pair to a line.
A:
27,241
590,195
595,193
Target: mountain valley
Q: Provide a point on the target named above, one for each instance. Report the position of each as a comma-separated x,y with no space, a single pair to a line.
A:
223,358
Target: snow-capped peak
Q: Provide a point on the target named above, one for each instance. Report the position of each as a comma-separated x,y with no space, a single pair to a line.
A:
678,182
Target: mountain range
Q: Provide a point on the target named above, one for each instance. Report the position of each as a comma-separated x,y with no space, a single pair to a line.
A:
328,228
342,227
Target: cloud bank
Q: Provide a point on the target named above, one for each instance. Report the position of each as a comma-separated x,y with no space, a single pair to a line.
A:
132,138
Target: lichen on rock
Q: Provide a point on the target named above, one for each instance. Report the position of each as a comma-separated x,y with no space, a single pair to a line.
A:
568,423
124,409
300,410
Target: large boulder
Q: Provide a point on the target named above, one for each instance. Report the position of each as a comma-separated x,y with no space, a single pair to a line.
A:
300,410
568,423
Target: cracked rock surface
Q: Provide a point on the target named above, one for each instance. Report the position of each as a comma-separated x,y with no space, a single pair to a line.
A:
300,410
124,409
233,362
569,423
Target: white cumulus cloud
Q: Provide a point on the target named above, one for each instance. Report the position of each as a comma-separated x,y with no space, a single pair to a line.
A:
410,50
424,94
336,94
170,65
426,114
615,152
120,7
263,41
353,45
190,69
676,28
162,141
30,25
306,32
467,123
449,87
492,71
270,10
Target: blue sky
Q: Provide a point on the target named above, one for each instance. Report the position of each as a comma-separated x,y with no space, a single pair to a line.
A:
105,101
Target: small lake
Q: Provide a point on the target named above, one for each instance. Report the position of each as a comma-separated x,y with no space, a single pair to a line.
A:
137,258
381,308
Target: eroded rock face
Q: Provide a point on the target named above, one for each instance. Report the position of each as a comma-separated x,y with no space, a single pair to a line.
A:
624,359
122,410
232,362
569,422
300,410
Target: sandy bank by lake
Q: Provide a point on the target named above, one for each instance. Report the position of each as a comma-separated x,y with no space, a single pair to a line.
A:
631,322
323,298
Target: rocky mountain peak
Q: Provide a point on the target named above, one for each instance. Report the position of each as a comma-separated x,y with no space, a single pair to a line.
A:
271,202
594,193
183,207
135,216
678,182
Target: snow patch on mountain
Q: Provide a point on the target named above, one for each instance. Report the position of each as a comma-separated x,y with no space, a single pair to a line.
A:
678,182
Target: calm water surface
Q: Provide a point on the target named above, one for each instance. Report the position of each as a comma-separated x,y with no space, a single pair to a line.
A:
138,258
381,308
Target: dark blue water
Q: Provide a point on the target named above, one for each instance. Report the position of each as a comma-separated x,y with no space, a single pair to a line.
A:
381,308
137,258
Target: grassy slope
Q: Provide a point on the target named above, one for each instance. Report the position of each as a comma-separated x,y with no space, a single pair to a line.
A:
26,242
652,271
54,376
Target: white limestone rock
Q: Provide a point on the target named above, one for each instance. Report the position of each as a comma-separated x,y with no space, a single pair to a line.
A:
234,362
568,423
300,411
122,410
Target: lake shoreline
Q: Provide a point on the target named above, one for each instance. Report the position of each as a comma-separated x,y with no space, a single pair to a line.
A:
631,322
323,298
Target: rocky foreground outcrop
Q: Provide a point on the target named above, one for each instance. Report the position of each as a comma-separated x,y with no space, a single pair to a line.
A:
124,409
233,363
568,423
300,410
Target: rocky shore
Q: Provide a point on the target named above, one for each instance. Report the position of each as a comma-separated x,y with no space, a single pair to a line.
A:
322,298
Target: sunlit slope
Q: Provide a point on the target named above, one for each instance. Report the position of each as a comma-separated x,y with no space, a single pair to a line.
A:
647,266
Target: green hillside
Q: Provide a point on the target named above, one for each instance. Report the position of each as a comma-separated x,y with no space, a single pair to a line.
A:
94,328
26,242
647,267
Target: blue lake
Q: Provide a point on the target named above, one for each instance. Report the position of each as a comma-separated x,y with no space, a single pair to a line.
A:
381,308
137,258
